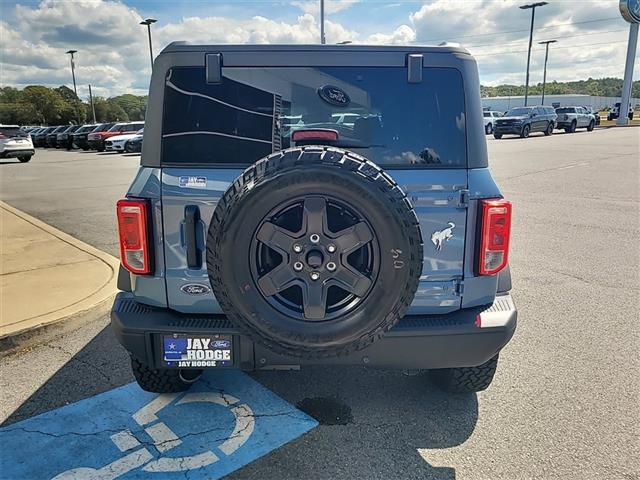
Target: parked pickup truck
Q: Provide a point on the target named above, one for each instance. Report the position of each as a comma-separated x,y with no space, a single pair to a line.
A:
384,243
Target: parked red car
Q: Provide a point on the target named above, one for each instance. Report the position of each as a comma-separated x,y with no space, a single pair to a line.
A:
96,139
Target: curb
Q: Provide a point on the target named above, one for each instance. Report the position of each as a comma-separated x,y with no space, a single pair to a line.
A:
106,290
606,127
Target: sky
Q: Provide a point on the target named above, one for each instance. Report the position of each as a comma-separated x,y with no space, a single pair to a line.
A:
113,49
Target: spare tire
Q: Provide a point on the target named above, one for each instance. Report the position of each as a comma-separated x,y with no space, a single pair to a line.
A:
314,252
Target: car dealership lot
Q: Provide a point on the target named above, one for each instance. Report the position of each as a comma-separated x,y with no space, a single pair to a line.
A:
564,404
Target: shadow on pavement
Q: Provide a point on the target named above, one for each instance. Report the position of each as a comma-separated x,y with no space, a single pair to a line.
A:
373,422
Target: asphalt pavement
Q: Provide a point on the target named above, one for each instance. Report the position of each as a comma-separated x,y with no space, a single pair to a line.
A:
564,403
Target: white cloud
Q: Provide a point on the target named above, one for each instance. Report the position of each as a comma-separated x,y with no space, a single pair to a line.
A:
113,49
402,35
312,7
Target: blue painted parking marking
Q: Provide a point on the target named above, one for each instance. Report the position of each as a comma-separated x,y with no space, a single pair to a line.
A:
225,421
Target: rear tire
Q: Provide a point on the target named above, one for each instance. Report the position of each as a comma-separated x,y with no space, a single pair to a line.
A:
572,127
489,129
525,131
591,126
465,379
160,380
549,129
497,136
25,159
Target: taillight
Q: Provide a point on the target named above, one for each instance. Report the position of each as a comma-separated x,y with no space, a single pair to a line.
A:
133,232
315,134
495,233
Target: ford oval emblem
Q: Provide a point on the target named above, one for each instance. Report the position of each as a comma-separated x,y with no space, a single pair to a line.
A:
334,95
195,289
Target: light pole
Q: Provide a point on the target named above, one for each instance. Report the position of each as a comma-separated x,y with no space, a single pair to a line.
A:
93,108
546,57
532,6
323,40
148,23
75,91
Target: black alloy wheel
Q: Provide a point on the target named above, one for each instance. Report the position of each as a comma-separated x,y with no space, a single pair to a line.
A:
314,258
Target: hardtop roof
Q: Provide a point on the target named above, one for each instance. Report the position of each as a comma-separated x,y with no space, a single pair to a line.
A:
181,46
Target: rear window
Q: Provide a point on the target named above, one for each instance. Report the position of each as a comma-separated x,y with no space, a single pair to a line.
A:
254,112
12,132
566,110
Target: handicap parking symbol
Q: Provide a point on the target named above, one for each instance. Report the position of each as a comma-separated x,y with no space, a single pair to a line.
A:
224,422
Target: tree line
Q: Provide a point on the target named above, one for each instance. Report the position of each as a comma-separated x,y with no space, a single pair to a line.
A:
40,105
605,87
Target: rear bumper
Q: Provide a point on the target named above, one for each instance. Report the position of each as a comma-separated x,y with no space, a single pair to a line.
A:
464,338
17,152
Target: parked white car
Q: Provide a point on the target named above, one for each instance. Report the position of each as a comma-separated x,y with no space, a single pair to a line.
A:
117,143
489,118
16,143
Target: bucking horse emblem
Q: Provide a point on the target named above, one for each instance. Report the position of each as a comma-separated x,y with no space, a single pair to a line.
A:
440,236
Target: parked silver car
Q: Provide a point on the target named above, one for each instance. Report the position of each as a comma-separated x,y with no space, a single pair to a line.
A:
571,118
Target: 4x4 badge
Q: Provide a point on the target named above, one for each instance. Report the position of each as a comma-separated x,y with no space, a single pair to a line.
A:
440,236
195,289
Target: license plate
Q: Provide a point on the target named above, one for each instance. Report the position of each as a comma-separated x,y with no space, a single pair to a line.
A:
197,351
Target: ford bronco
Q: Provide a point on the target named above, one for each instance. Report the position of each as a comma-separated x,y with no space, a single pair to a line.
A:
301,205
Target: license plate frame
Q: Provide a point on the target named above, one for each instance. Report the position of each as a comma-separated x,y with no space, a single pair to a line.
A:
195,351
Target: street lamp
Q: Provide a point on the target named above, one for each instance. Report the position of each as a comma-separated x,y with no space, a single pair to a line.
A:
323,40
75,91
546,57
532,6
148,23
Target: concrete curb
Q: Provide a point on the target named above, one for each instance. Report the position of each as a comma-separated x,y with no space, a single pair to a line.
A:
606,127
76,306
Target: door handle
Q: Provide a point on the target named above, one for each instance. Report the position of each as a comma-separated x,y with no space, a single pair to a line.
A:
191,221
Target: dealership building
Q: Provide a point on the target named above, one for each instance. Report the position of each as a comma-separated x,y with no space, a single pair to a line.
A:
504,103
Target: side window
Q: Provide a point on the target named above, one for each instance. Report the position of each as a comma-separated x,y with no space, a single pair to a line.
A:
539,111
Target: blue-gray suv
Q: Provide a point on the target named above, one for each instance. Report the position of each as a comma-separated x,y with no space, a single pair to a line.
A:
523,121
300,205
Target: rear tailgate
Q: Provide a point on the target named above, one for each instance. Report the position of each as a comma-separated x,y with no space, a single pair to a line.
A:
216,121
439,202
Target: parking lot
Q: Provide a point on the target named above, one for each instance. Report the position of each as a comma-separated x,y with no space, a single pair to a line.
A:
564,403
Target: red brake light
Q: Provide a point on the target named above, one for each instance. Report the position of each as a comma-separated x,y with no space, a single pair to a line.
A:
315,134
132,228
495,235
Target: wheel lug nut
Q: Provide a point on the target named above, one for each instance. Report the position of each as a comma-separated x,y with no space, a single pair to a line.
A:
331,248
298,266
331,266
314,275
297,248
315,238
